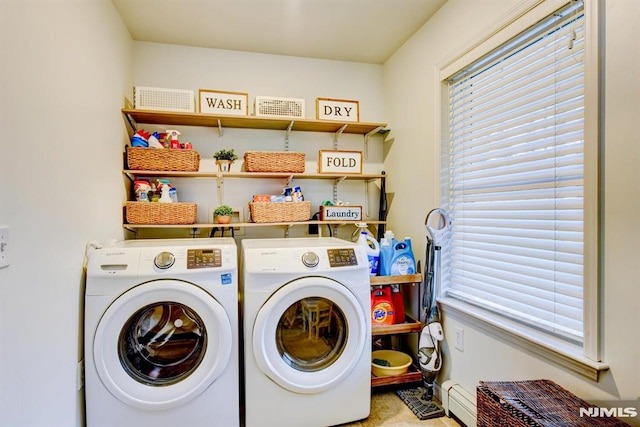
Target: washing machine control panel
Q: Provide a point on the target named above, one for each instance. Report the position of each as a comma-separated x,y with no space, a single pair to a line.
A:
342,257
204,258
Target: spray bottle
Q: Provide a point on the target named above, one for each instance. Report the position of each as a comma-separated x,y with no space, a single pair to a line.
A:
166,195
174,138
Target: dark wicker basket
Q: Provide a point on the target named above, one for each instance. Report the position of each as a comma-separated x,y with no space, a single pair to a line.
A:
534,403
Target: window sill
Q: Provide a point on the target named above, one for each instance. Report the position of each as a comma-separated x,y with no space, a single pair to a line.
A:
554,350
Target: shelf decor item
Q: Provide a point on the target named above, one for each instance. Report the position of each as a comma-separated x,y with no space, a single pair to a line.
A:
337,110
274,161
223,102
224,159
340,213
162,159
271,106
223,214
262,212
340,161
160,99
160,213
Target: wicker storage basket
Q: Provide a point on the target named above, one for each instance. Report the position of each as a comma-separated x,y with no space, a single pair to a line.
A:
535,403
280,212
160,213
273,161
159,159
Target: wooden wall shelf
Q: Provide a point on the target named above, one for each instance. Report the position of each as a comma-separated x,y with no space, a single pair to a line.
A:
410,325
249,122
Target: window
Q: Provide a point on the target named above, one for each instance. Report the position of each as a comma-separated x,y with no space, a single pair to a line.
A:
514,180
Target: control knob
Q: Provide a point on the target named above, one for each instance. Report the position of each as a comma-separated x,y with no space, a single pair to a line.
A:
310,259
164,260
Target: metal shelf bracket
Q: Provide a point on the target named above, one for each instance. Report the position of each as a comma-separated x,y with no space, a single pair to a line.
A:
339,132
286,135
366,140
220,195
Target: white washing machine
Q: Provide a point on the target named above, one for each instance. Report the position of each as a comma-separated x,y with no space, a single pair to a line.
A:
307,332
161,334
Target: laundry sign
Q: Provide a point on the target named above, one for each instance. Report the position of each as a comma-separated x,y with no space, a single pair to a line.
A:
222,102
341,110
340,161
340,213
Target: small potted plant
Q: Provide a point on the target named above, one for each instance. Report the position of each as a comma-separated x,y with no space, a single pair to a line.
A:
223,214
224,159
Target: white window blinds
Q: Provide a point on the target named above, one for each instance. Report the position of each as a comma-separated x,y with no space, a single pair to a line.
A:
513,178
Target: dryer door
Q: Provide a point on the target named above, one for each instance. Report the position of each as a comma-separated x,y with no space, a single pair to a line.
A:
161,344
310,334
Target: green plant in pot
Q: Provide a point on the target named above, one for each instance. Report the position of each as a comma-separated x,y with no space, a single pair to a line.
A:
223,214
224,159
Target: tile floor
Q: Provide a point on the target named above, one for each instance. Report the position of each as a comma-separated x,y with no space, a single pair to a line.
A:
388,410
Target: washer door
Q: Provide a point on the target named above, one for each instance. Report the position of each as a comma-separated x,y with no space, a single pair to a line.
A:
161,344
309,335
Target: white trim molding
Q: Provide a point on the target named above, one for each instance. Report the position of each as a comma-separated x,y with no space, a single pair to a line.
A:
538,344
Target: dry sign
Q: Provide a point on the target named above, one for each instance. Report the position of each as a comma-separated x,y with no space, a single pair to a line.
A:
340,161
341,110
221,102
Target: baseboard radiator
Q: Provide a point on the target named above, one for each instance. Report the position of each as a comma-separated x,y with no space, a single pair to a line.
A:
459,402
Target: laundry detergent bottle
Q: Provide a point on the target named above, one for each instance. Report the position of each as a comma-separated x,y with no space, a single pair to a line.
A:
398,304
373,251
386,252
402,261
382,310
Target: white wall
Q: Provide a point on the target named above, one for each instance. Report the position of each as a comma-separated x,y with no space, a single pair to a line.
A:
65,67
412,110
180,67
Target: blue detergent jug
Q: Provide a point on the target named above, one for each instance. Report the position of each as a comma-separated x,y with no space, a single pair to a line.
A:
402,260
387,244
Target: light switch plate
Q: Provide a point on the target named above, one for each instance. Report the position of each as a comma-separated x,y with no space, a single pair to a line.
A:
4,246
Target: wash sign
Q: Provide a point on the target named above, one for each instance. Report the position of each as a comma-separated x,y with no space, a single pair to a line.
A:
221,102
339,110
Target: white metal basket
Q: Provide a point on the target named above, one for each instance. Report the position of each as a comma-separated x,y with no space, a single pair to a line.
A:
270,106
160,99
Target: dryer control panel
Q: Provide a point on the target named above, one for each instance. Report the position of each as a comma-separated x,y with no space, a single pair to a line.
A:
342,257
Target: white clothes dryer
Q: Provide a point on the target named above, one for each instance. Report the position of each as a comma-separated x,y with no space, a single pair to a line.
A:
161,334
307,332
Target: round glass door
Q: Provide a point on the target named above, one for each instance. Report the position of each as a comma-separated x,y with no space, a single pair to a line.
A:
310,334
161,344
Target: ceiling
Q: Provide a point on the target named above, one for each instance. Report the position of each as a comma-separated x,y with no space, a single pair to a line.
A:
346,30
